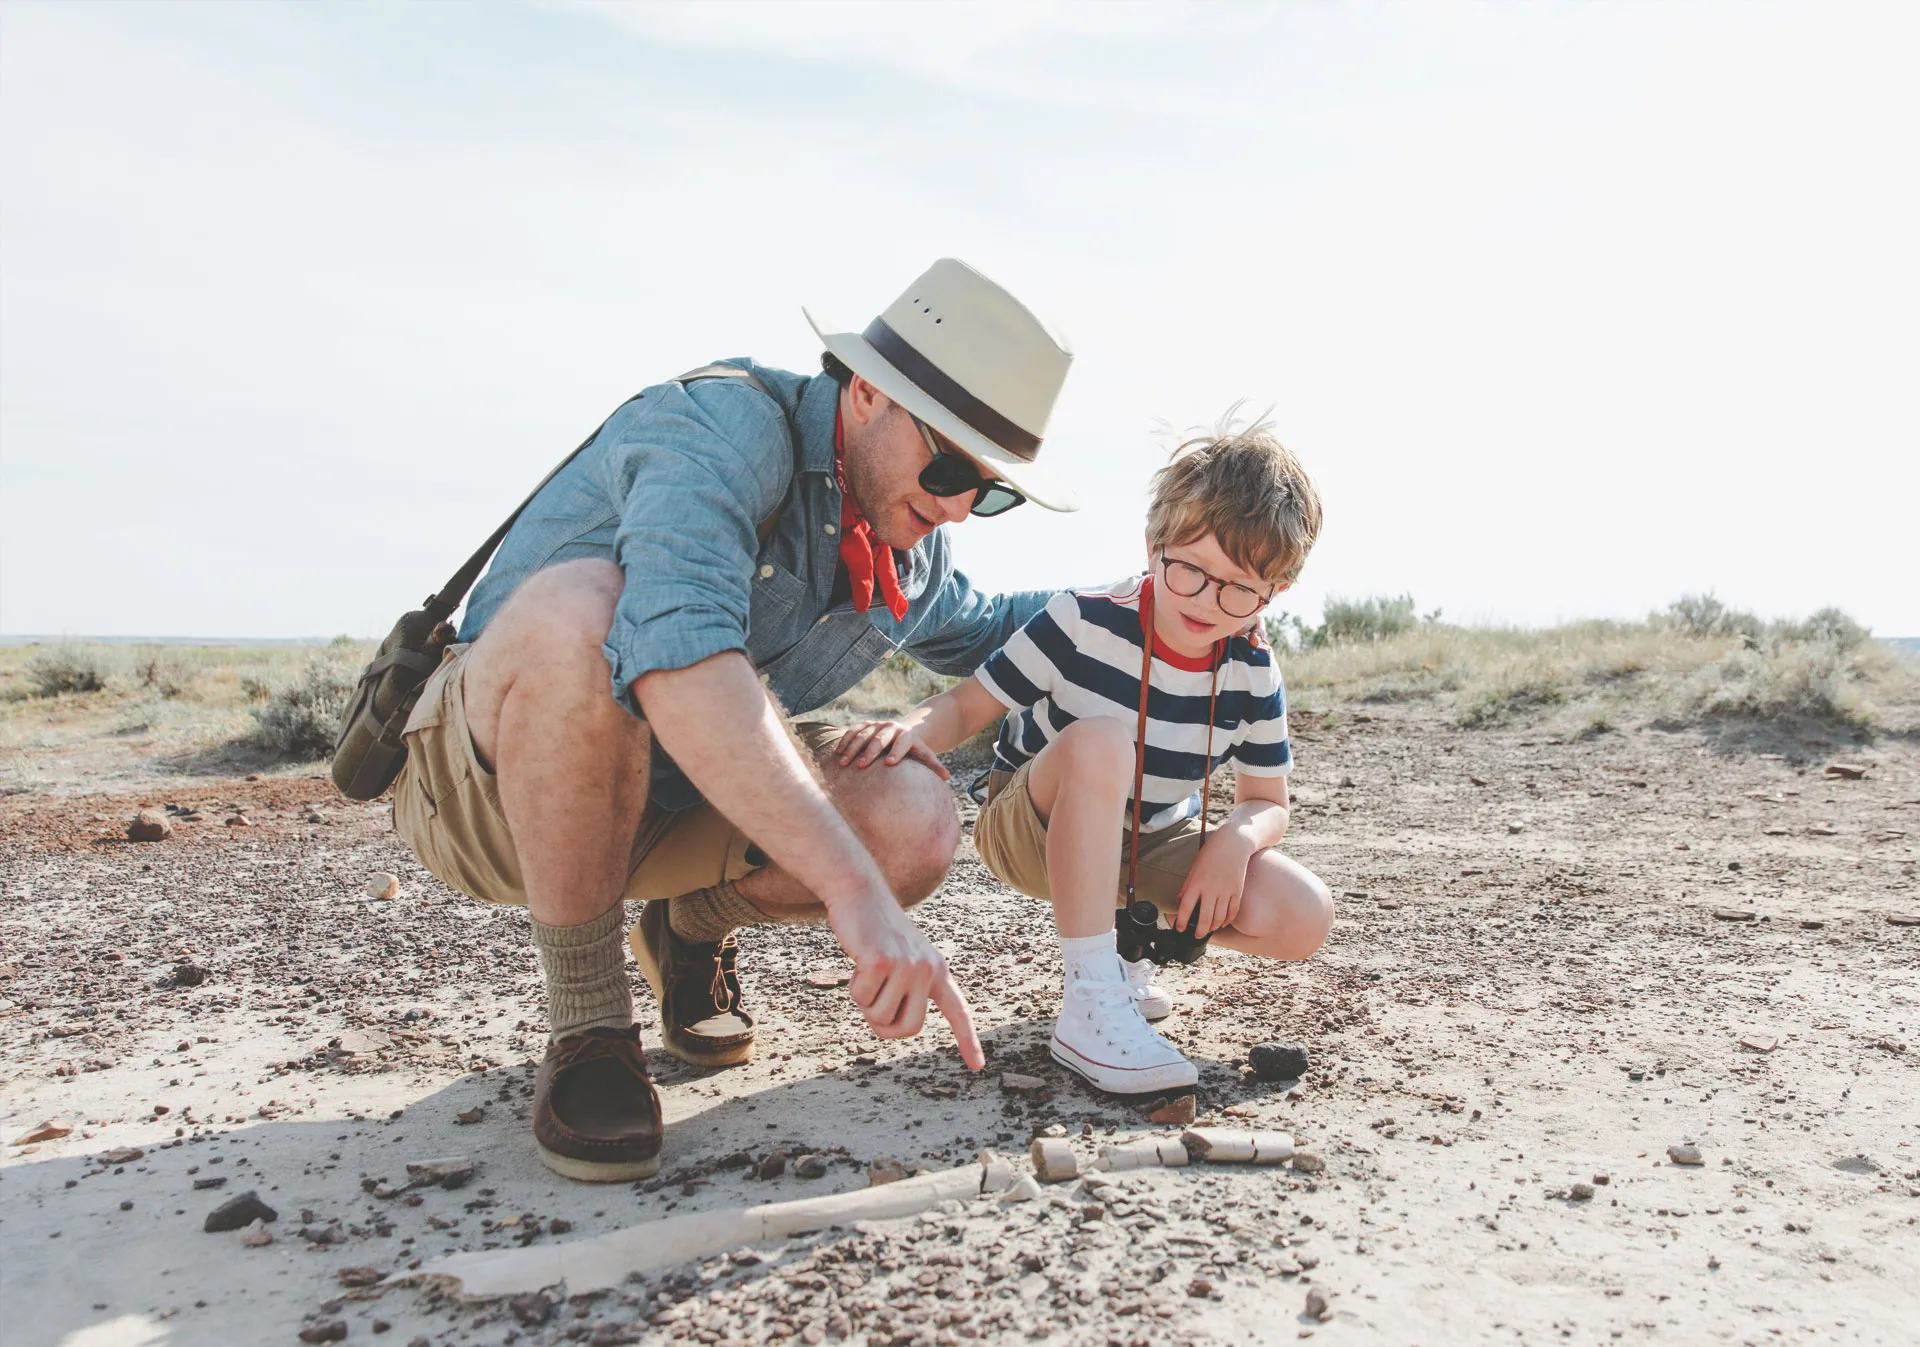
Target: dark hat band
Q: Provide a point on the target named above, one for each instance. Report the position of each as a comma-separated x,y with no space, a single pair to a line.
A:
937,384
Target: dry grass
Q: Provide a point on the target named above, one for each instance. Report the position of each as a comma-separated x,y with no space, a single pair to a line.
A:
178,699
1585,674
1699,664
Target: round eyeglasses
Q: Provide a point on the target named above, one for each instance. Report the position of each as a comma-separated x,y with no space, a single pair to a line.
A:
952,474
1235,600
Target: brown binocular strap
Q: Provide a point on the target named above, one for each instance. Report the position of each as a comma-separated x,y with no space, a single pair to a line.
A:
1140,738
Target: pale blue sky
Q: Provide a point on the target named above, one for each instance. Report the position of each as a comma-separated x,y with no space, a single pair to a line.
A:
1569,309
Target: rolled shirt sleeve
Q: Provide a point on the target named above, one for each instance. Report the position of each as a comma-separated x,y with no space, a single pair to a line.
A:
717,452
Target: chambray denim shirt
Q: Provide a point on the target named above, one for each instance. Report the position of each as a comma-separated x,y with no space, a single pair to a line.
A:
673,488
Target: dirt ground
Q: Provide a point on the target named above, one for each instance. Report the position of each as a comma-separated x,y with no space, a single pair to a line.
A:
1554,960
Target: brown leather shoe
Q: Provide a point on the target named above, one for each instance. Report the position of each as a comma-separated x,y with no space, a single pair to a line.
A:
596,1115
701,1019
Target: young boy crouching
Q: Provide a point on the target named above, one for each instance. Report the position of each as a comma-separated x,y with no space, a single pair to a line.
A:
1096,790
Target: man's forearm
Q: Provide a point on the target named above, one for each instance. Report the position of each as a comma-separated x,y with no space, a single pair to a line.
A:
717,722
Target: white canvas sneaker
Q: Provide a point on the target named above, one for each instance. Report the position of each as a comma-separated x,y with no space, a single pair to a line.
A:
1155,1004
1102,1036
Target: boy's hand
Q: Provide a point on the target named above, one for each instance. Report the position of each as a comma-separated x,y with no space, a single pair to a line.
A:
864,745
1217,881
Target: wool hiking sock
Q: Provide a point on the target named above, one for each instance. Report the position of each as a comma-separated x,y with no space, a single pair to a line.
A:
586,970
705,916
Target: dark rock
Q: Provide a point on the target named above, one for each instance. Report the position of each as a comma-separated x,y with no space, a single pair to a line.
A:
531,1309
327,1330
184,975
238,1212
1278,1061
810,1167
454,1171
772,1166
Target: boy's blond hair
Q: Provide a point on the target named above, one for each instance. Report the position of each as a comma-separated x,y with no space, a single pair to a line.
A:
1243,486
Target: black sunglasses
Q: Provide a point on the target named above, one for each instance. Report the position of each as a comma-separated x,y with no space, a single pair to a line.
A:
951,474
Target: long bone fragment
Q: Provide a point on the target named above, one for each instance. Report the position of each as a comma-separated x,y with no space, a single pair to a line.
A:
603,1261
1142,1153
1217,1144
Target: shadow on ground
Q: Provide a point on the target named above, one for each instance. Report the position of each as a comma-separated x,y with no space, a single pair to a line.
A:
119,1256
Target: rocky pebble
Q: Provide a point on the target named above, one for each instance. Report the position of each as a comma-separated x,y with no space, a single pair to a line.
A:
1175,1112
1278,1061
237,1212
149,825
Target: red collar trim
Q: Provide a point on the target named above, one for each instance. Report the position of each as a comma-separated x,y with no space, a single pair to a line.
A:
1165,653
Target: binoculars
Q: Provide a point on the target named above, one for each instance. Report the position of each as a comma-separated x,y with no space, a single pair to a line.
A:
1139,935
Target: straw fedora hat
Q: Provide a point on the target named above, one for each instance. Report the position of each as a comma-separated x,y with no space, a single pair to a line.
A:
966,357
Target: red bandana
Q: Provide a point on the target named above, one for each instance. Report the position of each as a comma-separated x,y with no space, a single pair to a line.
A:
866,558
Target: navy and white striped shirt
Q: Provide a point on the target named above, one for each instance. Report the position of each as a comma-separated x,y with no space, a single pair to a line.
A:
1080,656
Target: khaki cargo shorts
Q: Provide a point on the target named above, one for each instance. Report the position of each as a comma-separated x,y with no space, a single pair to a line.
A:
1012,841
446,805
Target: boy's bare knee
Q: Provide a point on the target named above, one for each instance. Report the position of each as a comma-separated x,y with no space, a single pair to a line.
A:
1098,748
1317,914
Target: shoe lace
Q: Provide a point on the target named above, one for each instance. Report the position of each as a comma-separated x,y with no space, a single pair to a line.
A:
725,990
1122,1027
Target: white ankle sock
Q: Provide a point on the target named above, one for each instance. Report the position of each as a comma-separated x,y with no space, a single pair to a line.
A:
1091,958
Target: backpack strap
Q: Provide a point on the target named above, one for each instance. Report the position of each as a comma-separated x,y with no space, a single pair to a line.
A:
440,606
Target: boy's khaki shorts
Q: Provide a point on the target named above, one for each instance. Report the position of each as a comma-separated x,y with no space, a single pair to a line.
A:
1012,840
447,808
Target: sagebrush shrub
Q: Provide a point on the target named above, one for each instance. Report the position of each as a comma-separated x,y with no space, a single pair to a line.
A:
1704,615
68,668
301,719
1830,625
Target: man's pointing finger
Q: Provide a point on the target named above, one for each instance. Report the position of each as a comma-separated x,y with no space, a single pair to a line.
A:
952,1003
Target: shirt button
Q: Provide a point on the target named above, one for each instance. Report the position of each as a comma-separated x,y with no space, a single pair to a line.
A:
832,529
766,572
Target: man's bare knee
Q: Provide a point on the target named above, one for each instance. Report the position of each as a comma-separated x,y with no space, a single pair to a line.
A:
557,613
544,647
908,820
